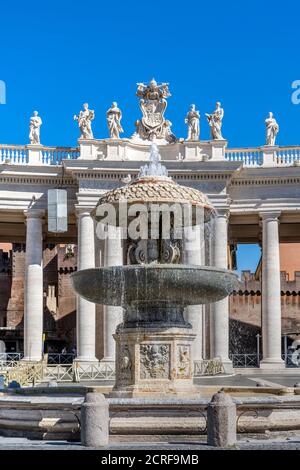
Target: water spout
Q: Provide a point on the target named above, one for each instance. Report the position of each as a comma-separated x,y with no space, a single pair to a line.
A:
154,167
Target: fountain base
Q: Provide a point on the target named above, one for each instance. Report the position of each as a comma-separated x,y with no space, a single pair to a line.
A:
153,362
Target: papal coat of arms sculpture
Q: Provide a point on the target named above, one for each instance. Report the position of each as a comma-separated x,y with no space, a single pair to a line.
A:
153,104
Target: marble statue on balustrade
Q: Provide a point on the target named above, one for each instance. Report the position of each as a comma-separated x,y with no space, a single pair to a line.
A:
34,128
85,118
215,122
272,129
113,118
193,122
153,104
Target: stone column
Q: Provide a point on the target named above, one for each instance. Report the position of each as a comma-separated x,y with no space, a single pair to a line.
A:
112,316
221,421
192,254
271,299
86,311
94,420
208,261
219,324
33,292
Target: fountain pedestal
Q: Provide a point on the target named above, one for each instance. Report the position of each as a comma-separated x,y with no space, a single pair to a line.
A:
156,361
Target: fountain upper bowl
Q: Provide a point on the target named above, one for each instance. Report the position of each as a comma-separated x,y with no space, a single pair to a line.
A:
154,284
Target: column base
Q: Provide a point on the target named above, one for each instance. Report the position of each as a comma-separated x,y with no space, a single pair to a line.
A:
228,367
108,359
272,363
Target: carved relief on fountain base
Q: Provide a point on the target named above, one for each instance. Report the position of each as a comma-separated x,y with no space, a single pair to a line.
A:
153,363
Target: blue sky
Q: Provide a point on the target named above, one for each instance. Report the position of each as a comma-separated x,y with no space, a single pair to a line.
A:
248,257
55,55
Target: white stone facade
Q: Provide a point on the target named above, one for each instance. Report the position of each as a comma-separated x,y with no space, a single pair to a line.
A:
255,191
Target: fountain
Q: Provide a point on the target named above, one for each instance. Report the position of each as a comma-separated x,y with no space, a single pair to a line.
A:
154,391
153,344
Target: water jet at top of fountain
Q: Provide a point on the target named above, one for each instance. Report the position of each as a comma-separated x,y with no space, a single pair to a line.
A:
154,167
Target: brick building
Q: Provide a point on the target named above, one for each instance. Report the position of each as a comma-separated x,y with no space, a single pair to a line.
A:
60,301
245,303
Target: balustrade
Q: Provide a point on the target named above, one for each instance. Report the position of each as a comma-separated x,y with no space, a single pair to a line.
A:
250,156
253,157
18,154
287,156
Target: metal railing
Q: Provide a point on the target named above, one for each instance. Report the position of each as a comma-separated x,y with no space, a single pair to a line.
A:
244,360
10,359
253,360
26,373
208,367
289,359
106,370
60,358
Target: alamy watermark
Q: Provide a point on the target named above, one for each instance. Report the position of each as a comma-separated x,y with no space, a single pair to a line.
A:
154,221
2,92
296,94
148,221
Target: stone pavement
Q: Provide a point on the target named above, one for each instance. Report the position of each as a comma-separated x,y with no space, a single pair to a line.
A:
289,443
237,380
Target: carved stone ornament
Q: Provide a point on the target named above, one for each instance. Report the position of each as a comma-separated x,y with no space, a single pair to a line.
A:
125,364
85,118
215,122
183,361
272,129
153,104
193,122
35,128
155,361
113,118
154,251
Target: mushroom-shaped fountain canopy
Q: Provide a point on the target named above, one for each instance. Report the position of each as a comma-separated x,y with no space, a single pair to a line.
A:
154,186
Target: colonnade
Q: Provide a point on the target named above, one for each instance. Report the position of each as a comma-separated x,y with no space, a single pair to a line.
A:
113,255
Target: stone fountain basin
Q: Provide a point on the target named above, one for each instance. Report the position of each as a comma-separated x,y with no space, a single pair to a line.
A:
154,283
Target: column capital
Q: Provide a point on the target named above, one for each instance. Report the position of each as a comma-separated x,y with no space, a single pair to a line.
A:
270,215
222,212
34,213
83,211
